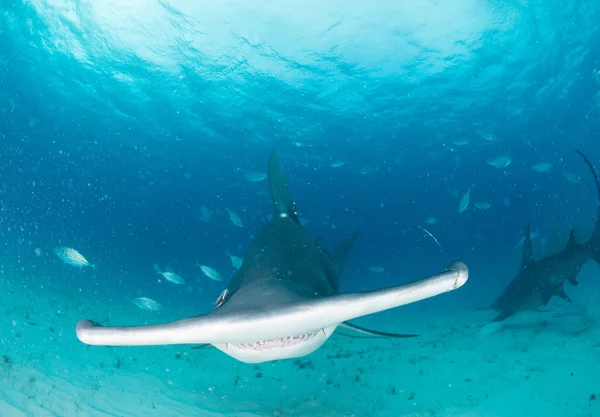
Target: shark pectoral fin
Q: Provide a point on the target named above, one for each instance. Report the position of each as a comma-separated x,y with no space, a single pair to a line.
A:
203,346
503,315
560,292
351,330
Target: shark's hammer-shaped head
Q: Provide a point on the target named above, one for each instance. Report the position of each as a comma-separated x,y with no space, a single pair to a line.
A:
283,302
285,332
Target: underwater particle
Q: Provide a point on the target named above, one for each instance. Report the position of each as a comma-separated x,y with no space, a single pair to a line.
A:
483,206
542,167
210,272
235,219
146,303
71,257
255,176
500,162
465,201
376,269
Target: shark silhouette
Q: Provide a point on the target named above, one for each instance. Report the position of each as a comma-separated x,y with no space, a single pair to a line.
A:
539,280
284,301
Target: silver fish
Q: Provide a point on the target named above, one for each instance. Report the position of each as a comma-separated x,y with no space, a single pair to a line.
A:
464,202
172,277
71,256
255,176
210,272
235,219
146,303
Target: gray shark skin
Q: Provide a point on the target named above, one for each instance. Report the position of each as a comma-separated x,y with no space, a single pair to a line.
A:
539,280
284,301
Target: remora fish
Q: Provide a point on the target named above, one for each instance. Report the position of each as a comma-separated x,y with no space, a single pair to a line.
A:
284,301
539,280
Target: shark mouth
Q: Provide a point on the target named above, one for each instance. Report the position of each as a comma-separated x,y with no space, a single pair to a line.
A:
276,343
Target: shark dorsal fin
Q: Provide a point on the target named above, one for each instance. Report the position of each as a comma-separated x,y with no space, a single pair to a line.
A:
571,241
527,246
283,202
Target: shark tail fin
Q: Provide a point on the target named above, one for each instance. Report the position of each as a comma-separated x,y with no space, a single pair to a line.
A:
341,253
283,202
594,241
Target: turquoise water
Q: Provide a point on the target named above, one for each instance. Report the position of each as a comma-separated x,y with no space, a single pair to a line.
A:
130,130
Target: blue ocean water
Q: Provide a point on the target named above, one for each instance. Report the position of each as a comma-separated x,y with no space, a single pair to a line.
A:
121,120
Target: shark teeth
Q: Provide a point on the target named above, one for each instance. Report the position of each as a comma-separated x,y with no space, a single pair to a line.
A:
276,343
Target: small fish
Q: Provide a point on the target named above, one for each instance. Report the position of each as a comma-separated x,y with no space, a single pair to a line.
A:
172,277
146,303
236,261
542,167
483,206
490,137
377,269
221,298
235,219
72,257
500,162
205,214
465,201
368,170
255,176
210,272
432,220
337,164
460,142
571,177
506,202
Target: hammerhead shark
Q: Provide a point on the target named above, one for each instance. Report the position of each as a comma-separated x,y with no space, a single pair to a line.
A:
539,280
284,301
